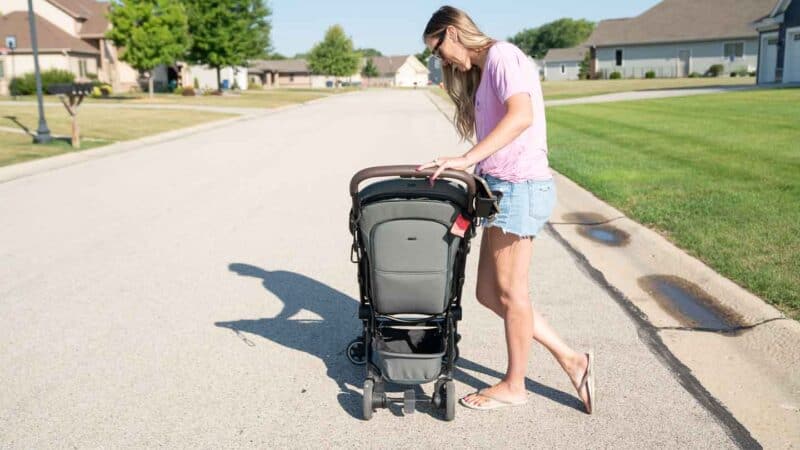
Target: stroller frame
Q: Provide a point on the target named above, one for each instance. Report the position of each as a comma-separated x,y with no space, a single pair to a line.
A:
480,203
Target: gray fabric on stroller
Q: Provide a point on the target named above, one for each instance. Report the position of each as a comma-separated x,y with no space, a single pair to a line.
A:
409,244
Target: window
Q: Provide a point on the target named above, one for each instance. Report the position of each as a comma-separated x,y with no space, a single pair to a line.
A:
563,68
619,57
773,41
797,37
291,78
734,50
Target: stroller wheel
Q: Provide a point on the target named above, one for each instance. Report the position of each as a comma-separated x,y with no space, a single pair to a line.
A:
367,400
356,352
449,400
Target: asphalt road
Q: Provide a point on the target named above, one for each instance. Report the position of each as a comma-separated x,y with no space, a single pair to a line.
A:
198,292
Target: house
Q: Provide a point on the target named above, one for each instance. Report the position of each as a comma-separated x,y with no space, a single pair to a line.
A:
292,73
676,38
70,35
399,71
564,63
779,44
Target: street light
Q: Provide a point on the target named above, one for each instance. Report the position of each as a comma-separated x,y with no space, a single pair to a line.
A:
42,133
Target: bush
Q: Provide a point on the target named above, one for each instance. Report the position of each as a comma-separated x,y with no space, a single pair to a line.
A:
715,70
615,76
101,90
694,75
650,74
178,90
26,84
733,74
188,92
91,76
742,71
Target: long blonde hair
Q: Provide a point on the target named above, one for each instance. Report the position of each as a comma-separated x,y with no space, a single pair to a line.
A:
460,86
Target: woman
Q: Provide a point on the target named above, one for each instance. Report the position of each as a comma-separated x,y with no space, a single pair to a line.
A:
498,96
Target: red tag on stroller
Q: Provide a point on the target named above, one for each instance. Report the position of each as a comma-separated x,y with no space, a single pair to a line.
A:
460,226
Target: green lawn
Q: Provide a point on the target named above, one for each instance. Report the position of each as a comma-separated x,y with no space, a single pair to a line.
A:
253,98
98,126
558,90
719,175
555,90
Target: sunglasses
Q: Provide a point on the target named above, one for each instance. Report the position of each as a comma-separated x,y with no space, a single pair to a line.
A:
435,51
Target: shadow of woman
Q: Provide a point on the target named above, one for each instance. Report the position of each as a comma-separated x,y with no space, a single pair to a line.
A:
326,338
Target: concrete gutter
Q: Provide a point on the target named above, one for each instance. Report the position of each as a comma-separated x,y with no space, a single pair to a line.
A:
744,353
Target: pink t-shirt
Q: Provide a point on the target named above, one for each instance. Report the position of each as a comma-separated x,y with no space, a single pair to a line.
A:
508,71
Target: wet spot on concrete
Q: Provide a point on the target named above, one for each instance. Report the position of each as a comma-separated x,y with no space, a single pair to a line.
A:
584,218
690,304
605,234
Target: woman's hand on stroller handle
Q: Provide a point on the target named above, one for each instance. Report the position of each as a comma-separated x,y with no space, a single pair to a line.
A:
445,162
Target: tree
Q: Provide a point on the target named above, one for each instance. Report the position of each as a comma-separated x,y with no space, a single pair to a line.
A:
275,56
369,70
150,32
423,57
583,71
368,52
334,55
562,33
228,32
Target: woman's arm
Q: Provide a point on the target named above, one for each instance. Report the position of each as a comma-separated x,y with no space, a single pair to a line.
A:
518,117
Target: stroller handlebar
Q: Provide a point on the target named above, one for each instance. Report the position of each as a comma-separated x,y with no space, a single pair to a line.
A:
406,171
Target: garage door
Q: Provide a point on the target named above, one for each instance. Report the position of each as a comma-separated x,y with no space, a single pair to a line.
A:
791,73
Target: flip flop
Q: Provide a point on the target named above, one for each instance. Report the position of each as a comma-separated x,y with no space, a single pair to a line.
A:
588,380
493,403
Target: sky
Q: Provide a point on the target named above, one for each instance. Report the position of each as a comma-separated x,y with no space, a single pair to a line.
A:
395,28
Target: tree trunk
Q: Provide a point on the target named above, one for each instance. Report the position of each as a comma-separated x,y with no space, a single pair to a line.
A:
150,85
219,81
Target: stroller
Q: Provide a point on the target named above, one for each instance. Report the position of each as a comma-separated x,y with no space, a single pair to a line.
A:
410,241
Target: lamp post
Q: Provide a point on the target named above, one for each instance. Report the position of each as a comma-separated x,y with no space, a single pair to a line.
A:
42,133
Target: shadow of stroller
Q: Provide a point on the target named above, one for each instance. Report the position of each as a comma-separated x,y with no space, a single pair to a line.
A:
326,338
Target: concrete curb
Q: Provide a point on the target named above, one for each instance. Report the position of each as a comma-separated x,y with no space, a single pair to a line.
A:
30,168
750,364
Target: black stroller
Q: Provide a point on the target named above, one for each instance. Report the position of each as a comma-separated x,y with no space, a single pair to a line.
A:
410,241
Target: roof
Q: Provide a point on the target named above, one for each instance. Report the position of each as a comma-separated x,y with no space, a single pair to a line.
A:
566,54
388,65
49,36
280,65
684,20
90,13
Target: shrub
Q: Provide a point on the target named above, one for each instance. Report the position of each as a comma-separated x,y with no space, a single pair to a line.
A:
715,70
650,74
101,90
26,84
733,74
694,75
178,90
91,76
742,71
188,92
615,76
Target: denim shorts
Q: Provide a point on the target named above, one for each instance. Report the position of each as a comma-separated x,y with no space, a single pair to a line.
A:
525,206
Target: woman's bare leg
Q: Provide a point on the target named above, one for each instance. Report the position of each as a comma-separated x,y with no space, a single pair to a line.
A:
488,293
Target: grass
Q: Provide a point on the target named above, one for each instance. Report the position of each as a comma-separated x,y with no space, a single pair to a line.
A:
559,90
253,98
556,90
98,126
719,175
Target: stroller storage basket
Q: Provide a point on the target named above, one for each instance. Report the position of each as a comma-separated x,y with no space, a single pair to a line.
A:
410,355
